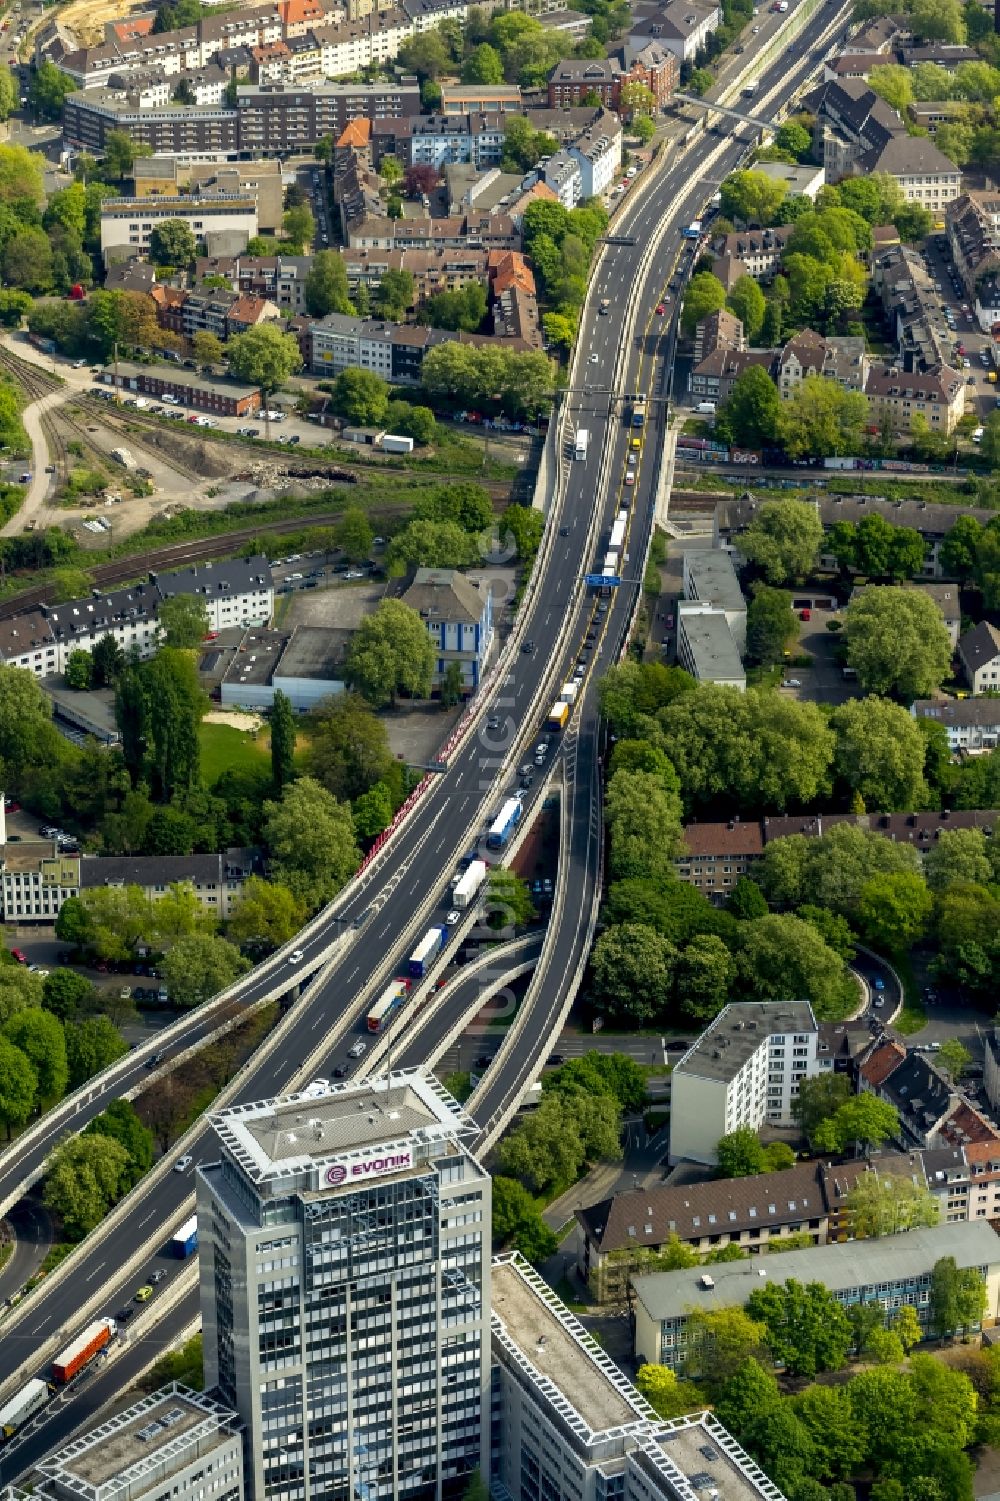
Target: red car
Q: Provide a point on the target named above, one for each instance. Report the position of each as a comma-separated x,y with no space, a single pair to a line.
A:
19,955
805,614
660,309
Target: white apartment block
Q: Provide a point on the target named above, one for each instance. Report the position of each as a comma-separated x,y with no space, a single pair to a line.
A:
568,1425
972,724
598,154
33,887
236,592
129,222
744,1070
175,1445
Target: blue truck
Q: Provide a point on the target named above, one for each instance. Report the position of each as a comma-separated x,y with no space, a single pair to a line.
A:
185,1242
432,943
504,824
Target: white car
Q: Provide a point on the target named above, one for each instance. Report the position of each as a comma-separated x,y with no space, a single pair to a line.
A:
183,1163
977,436
296,956
593,359
792,683
316,1088
452,918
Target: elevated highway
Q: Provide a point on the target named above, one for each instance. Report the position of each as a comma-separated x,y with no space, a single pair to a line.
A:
399,895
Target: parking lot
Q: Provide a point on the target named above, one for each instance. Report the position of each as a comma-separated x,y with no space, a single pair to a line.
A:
824,681
977,354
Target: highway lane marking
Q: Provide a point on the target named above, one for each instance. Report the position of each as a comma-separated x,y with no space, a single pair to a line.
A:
354,971
146,1221
95,1272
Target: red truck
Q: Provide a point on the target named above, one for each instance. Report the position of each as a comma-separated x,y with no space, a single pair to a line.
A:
83,1349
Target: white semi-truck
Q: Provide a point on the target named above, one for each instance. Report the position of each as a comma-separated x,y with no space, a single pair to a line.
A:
467,887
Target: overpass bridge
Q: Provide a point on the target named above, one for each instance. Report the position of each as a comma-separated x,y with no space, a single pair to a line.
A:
726,109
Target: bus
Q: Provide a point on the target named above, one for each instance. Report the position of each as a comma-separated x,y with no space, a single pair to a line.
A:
582,443
388,1002
504,823
638,411
15,1413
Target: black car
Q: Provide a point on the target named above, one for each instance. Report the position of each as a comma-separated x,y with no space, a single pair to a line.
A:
528,648
295,438
124,1314
483,1060
554,1060
154,1061
340,1072
564,531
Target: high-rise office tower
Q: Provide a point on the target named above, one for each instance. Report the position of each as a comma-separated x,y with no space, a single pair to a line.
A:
345,1288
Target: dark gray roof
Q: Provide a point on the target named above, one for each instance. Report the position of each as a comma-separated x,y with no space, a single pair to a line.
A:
80,617
980,645
919,1093
959,713
232,576
738,1031
165,870
925,517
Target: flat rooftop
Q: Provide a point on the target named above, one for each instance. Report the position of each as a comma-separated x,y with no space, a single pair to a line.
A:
293,1135
314,652
257,656
155,1438
738,1031
713,650
841,1268
709,1459
559,1349
714,578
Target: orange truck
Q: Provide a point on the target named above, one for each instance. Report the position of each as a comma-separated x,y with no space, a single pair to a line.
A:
83,1349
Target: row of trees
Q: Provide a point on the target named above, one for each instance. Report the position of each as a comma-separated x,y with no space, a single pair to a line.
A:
88,1174
561,242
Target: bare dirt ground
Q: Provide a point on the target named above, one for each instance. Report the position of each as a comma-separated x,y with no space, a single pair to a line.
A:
86,18
237,719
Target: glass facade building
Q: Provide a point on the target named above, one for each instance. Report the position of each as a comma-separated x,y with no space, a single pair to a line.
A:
345,1277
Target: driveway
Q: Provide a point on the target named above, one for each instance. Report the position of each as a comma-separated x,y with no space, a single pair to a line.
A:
823,682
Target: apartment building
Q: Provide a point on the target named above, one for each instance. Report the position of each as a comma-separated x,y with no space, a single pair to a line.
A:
889,1274
744,1070
345,1272
972,223
682,26
561,173
235,592
598,155
758,251
127,223
717,855
972,724
459,621
655,66
33,887
705,646
572,80
979,655
568,1422
924,174
174,1445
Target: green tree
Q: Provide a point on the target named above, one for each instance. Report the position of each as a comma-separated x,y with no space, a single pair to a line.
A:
893,84
518,1222
174,705
669,1397
172,243
27,736
644,825
361,396
65,993
299,224
837,1442
350,751
91,1045
27,260
703,976
483,65
120,1122
8,95
818,1100
751,198
752,413
200,966
907,1327
821,417
783,540
746,300
39,1035
18,1085
546,1152
897,643
953,1056
719,1343
326,289
182,621
613,1074
631,966
508,900
879,753
770,624
372,811
750,1393
452,685
353,534
739,1154
391,653
887,1203
705,294
783,958
864,1120
894,910
86,1176
431,544
957,1298
265,915
79,670
793,138
264,357
310,836
395,294
282,741
465,503
807,1329
48,89
207,348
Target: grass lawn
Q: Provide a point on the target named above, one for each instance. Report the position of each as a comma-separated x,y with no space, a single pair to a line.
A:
222,747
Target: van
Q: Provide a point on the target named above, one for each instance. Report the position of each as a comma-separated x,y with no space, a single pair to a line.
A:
170,399
706,407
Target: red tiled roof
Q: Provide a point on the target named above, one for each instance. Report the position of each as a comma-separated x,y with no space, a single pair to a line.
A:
735,838
965,1125
881,1064
357,133
509,268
